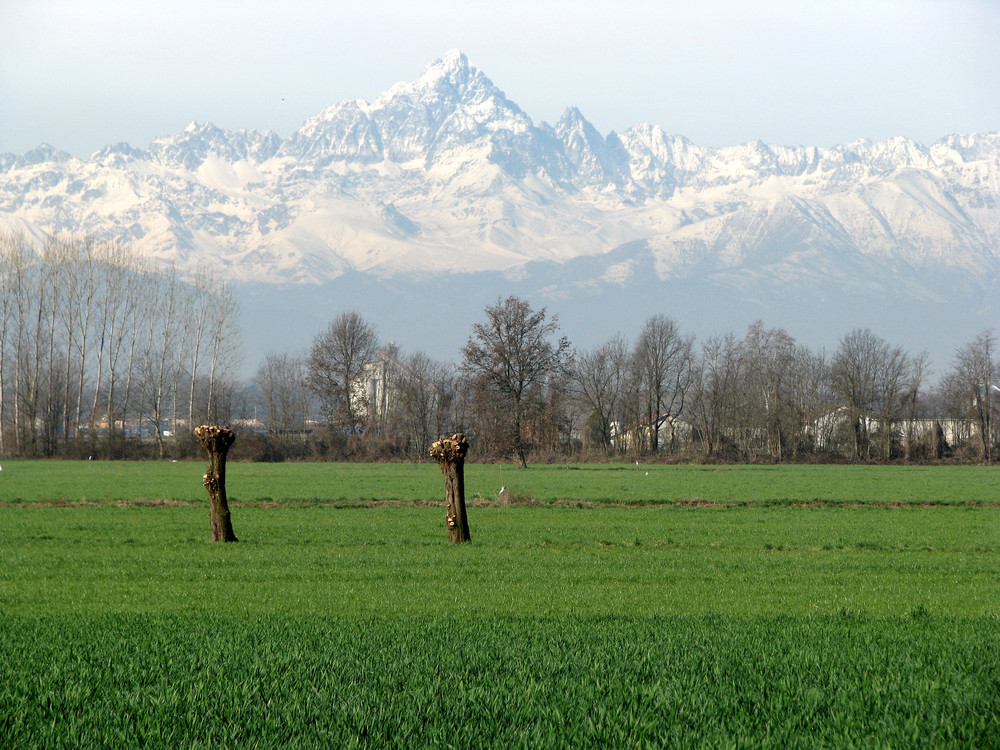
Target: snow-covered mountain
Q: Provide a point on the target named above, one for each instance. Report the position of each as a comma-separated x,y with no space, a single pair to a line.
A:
445,178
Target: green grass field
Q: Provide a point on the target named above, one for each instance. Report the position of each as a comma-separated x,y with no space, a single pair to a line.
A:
101,482
763,618
669,681
540,561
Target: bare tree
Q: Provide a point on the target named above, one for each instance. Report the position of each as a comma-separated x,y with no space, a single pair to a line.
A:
423,399
450,454
52,300
20,269
718,395
600,378
511,358
976,373
11,262
281,380
662,362
870,378
158,367
226,350
854,370
85,296
217,441
337,365
768,356
144,283
810,398
912,401
197,312
72,283
123,278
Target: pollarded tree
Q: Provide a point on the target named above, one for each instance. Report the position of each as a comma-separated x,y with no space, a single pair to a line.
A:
337,364
512,358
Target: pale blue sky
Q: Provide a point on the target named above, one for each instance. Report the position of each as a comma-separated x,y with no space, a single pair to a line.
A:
87,73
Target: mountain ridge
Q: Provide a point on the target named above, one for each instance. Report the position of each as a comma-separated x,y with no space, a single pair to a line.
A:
445,176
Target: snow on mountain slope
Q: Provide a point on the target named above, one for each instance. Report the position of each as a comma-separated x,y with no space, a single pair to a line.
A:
445,175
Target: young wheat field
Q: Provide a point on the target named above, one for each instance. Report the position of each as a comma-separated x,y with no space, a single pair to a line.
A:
597,606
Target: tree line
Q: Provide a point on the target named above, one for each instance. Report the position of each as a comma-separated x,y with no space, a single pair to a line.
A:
103,354
521,390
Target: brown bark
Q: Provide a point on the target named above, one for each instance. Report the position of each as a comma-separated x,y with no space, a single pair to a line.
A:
450,455
217,441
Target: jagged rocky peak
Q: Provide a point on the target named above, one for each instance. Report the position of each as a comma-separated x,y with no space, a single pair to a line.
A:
768,159
865,156
956,149
39,155
191,147
119,149
576,131
451,103
451,113
447,84
598,159
341,132
405,121
118,156
448,79
897,152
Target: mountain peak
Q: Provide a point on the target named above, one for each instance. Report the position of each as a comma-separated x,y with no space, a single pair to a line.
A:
572,115
453,59
449,78
44,152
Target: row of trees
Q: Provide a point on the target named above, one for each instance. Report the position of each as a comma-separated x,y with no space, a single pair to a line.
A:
520,389
350,395
103,354
98,346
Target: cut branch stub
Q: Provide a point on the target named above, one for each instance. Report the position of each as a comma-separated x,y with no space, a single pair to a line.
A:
217,441
450,455
451,449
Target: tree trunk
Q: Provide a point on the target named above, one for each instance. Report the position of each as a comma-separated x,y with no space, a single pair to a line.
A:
450,455
940,444
217,441
522,459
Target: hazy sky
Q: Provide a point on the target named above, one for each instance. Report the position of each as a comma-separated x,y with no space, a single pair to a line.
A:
84,74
